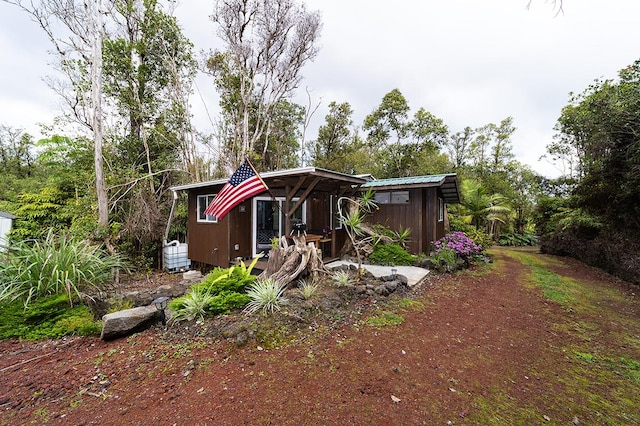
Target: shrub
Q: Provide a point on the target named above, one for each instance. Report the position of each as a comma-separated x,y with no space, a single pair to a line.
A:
444,258
265,295
226,302
48,317
308,289
391,254
479,237
220,292
518,240
342,278
61,265
456,245
190,306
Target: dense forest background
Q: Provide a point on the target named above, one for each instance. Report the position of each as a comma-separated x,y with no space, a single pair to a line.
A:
104,169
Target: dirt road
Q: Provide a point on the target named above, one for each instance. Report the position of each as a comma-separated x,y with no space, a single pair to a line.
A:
531,339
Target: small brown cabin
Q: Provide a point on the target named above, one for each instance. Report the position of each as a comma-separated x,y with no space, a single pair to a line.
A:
306,198
418,203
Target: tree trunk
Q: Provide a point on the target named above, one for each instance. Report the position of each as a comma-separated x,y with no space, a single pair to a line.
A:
96,101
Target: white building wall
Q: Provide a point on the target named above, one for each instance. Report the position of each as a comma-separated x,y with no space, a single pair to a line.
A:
5,227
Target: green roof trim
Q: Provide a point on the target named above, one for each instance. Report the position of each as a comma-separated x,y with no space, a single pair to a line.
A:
411,180
448,184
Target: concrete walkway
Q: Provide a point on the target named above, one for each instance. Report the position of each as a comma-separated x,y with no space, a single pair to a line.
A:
414,274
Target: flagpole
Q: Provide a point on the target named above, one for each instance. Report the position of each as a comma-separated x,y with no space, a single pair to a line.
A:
273,197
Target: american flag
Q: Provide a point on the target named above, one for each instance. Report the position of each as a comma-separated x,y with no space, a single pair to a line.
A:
243,184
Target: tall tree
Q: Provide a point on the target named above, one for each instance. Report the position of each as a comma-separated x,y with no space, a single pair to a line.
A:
148,70
76,30
16,152
404,145
267,43
279,148
458,147
331,148
389,122
482,208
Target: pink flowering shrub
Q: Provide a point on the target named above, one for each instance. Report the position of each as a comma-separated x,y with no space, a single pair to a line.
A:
456,244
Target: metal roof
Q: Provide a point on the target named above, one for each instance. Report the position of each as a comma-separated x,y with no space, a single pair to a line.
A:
277,176
7,215
448,184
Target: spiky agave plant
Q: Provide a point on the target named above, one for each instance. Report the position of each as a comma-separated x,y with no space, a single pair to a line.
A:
266,295
308,288
191,306
342,278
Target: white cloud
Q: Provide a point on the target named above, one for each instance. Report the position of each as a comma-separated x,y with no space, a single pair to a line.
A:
468,62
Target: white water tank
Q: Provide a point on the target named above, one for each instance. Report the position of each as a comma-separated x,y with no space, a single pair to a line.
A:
175,256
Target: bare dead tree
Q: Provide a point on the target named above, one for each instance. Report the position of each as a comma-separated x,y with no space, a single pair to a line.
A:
556,4
75,29
267,43
309,112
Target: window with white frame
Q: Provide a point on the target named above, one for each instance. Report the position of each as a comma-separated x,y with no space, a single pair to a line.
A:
203,203
440,209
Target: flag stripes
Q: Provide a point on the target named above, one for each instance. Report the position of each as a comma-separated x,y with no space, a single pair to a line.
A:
243,184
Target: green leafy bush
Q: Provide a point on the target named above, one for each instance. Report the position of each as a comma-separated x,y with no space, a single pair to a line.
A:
225,302
57,265
445,259
220,292
391,254
479,237
515,239
49,317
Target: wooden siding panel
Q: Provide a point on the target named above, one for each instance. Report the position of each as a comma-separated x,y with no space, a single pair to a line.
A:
408,215
208,242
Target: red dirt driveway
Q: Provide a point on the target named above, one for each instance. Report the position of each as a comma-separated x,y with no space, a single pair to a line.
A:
479,347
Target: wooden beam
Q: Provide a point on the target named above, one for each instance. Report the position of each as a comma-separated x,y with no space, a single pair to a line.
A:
296,188
304,196
285,210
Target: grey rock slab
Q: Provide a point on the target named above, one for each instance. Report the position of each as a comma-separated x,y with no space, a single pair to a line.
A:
128,321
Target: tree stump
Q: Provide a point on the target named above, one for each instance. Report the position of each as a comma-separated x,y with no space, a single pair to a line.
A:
289,262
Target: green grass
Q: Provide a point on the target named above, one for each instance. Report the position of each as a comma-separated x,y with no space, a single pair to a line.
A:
625,367
594,377
385,319
556,288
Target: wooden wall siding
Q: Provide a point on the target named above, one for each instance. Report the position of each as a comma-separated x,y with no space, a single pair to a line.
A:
420,214
208,242
430,218
408,215
214,243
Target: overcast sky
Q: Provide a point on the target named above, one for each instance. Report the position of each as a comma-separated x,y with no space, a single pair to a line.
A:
468,62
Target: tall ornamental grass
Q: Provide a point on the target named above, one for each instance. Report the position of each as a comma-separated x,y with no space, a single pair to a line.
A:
56,265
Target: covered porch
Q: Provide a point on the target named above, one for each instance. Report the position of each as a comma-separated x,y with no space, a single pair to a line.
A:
300,201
